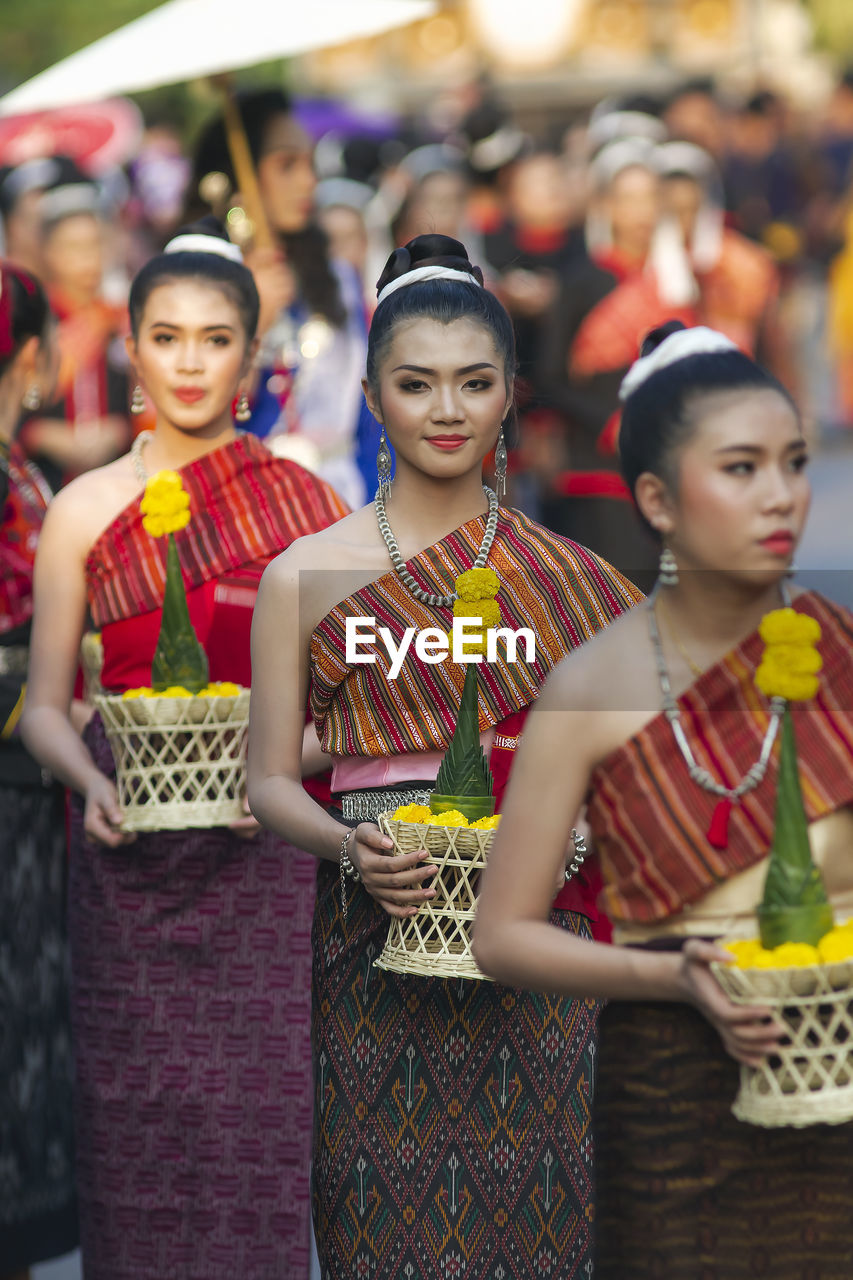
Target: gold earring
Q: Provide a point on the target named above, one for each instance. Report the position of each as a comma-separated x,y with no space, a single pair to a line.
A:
137,401
242,411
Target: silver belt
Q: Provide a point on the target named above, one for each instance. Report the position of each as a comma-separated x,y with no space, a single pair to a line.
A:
13,659
366,806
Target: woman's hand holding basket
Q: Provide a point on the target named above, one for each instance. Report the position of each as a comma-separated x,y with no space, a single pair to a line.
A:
395,882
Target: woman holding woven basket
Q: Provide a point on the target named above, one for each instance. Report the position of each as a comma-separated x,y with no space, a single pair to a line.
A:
666,726
441,1107
190,1028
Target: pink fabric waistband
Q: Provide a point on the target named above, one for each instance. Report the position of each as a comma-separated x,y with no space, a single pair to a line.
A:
357,773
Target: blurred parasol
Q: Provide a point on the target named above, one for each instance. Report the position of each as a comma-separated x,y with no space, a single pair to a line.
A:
96,136
185,39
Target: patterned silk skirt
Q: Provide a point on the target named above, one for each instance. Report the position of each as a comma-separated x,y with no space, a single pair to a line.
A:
685,1191
452,1118
191,979
38,1210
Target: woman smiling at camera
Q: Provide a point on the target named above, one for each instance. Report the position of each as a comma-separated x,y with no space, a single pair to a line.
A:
681,805
190,1026
440,1107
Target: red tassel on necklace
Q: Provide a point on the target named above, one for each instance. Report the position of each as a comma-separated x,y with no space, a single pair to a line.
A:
718,831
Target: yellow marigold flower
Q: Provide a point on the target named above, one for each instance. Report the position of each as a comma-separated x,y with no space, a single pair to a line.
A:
165,505
787,626
792,955
219,689
487,824
137,693
762,959
412,813
744,951
175,691
836,945
470,643
452,818
477,584
779,683
790,662
489,611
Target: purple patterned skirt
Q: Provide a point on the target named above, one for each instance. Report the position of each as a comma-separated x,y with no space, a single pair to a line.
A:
191,978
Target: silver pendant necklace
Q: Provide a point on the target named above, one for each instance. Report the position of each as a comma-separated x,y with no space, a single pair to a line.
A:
718,832
399,563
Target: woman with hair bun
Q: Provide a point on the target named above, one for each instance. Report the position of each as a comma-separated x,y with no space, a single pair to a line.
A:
189,982
38,1213
658,726
451,1128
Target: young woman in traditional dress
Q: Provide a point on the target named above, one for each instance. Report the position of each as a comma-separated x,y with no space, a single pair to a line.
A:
442,1108
681,805
38,1213
189,973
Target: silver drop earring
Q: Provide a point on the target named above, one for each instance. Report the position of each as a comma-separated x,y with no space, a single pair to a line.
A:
242,410
31,398
501,463
667,569
383,467
137,401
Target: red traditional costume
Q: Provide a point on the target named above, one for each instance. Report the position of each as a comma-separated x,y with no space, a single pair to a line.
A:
191,970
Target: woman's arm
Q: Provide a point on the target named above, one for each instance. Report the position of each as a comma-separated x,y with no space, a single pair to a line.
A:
281,632
513,939
59,593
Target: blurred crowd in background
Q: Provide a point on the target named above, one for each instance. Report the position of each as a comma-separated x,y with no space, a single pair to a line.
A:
735,214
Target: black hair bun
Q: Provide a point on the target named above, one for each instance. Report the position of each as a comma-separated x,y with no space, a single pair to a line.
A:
206,226
655,337
430,250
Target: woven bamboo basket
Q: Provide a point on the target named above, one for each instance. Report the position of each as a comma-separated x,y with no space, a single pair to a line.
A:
809,1079
180,762
436,941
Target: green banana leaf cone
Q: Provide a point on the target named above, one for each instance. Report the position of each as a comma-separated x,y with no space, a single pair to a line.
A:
464,780
178,659
795,907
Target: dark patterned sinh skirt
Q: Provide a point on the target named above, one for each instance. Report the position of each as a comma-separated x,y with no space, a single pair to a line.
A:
452,1118
685,1191
38,1210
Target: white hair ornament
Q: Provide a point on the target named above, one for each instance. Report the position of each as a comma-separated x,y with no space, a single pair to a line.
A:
678,346
193,242
434,272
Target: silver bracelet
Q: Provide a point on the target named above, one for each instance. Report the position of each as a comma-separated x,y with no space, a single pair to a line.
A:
347,869
579,843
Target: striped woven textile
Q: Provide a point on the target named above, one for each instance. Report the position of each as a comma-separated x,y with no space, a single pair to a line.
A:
561,591
650,821
246,506
26,499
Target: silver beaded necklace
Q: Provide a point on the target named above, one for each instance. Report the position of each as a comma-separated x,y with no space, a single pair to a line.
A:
136,462
399,563
755,774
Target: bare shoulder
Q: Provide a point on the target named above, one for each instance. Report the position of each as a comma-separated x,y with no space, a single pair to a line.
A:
89,504
351,544
609,670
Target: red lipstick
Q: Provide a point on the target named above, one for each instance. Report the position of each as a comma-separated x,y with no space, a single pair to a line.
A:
189,395
447,442
780,543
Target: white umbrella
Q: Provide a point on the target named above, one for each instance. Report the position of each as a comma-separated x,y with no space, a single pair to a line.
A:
183,39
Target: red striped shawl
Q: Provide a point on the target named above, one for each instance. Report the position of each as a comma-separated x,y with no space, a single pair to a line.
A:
650,821
246,505
561,591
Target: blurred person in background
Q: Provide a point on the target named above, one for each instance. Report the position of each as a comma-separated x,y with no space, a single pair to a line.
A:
738,281
584,497
21,188
341,203
761,174
38,1211
307,401
694,114
534,249
87,424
